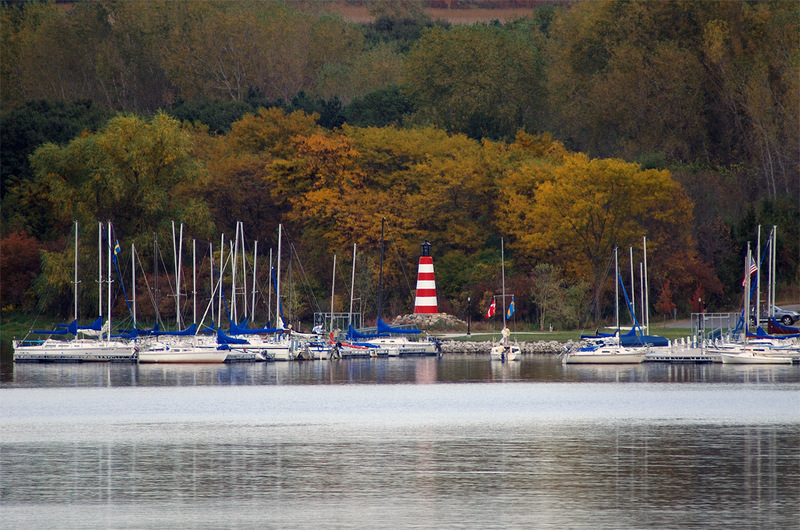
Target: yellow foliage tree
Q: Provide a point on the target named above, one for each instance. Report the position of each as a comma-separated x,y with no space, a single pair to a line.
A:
573,213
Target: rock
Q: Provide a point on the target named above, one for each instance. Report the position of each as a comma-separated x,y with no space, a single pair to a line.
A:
431,321
539,347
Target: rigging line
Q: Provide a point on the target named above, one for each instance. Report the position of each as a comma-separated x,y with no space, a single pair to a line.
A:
221,286
147,284
400,261
309,292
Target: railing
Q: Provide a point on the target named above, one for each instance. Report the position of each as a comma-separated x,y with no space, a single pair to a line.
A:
712,326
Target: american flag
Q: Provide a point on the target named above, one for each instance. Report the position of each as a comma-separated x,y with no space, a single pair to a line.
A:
753,268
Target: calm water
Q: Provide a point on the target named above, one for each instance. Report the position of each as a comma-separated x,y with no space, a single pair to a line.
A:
457,442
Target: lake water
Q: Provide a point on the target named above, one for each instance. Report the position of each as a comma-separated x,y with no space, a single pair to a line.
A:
454,442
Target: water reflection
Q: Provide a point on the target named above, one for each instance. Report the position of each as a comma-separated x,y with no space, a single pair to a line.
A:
486,474
447,369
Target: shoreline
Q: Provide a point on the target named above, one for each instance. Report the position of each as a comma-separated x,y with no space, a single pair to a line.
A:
544,347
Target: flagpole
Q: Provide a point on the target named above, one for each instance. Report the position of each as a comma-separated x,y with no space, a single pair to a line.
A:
503,273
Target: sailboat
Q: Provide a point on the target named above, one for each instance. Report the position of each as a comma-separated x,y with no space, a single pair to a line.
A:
630,348
744,352
182,345
79,349
388,340
504,350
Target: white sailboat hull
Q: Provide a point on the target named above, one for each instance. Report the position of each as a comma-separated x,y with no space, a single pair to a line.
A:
81,350
510,352
750,357
605,356
400,346
184,355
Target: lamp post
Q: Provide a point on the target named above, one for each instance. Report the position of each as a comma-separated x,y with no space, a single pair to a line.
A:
469,313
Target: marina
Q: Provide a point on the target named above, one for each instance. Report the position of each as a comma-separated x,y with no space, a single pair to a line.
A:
434,442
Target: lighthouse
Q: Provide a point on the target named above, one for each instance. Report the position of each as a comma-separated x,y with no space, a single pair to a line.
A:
425,301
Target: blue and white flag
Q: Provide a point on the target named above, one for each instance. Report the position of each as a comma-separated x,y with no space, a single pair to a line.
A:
510,308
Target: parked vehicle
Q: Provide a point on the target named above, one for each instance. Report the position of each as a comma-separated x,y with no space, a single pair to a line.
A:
786,317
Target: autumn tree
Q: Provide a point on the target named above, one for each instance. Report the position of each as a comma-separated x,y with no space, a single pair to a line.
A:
238,189
665,305
575,212
20,264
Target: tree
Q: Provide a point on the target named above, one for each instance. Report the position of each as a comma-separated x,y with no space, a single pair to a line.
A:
665,305
548,291
140,175
379,108
375,69
576,211
24,129
483,81
20,264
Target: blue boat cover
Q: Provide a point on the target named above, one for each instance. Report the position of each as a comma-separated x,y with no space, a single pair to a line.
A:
222,338
242,329
353,334
72,328
631,338
191,330
383,329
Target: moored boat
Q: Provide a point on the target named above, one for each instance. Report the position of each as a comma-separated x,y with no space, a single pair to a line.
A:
605,355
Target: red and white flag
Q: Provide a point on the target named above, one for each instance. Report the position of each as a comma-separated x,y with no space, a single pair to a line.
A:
492,309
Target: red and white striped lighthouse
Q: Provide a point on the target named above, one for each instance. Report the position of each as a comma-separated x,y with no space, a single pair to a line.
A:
425,301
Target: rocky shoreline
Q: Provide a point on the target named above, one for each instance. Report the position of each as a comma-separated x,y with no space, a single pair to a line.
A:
439,321
542,347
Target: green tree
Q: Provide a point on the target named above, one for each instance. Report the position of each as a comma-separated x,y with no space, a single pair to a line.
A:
140,175
380,108
24,129
484,81
548,291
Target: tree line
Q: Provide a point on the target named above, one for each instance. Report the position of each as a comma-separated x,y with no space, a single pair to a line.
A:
675,120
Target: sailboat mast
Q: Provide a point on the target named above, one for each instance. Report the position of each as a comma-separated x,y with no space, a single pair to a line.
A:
255,264
76,273
352,287
646,288
155,273
211,275
244,273
333,285
746,315
616,287
133,282
641,290
219,299
758,275
194,280
110,251
773,276
278,323
233,274
100,269
380,274
633,291
503,274
269,289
